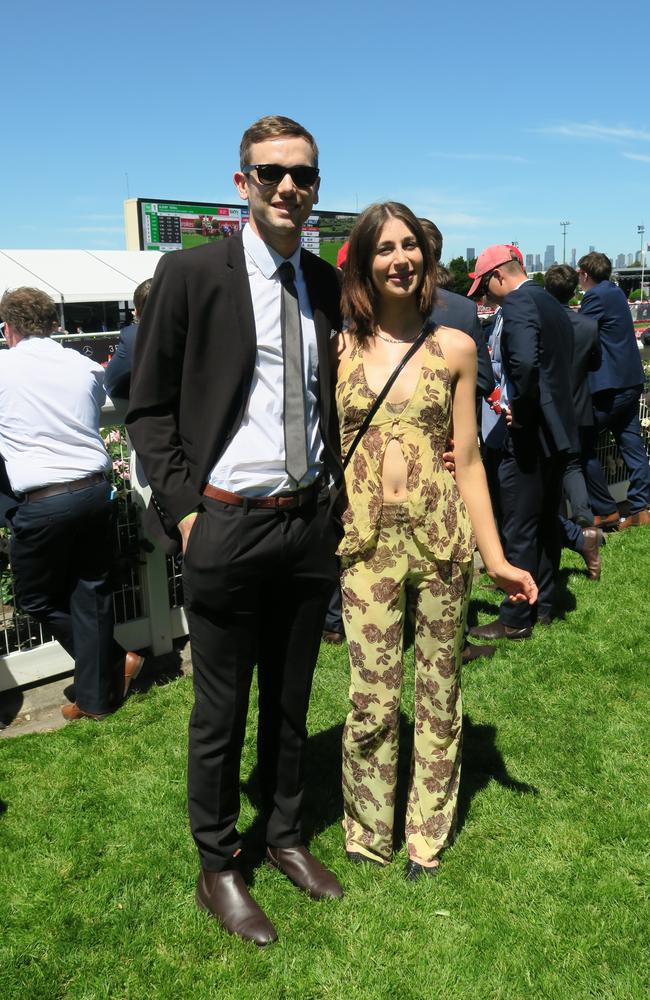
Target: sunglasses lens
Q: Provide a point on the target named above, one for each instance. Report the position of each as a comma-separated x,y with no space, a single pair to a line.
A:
272,173
304,176
269,173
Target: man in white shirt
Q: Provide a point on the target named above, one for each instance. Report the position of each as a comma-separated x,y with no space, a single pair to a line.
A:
62,523
231,414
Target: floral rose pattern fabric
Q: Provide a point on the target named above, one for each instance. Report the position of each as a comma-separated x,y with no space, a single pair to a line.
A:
416,554
437,513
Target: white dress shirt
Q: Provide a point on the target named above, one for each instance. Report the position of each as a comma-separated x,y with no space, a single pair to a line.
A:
50,401
253,462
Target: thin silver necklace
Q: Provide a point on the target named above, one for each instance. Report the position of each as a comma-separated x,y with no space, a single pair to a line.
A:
389,340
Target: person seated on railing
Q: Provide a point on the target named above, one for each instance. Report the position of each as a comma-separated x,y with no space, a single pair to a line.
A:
62,519
117,378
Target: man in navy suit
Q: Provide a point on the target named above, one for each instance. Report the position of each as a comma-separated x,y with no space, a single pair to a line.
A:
579,533
536,348
117,378
616,389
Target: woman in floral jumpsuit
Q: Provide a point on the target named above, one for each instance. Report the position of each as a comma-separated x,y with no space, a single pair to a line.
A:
408,538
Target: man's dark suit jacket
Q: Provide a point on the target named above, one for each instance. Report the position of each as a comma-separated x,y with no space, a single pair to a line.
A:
621,366
537,351
460,313
587,356
193,367
117,377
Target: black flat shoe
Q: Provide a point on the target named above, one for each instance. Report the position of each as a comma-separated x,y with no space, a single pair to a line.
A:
362,859
414,870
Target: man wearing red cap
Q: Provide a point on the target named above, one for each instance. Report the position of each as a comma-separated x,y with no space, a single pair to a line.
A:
536,351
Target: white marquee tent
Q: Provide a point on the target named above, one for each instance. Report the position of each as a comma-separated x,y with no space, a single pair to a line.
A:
78,275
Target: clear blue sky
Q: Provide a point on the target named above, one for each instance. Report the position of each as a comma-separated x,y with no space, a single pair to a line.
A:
496,121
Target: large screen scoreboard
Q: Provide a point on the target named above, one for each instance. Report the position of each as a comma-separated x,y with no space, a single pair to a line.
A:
155,224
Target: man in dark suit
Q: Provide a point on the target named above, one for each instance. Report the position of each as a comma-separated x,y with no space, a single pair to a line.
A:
232,416
460,313
616,389
117,377
536,346
579,532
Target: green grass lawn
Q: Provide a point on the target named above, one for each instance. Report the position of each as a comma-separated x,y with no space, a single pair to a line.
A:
544,894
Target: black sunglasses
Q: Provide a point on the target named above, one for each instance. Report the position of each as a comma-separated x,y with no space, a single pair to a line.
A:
273,173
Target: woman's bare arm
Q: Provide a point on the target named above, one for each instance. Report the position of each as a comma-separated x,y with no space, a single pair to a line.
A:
460,354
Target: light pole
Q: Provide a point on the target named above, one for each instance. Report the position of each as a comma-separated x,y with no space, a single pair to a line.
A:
564,226
641,231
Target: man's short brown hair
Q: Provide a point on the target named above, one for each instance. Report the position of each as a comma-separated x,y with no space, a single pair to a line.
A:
435,236
561,281
596,265
31,312
141,294
272,127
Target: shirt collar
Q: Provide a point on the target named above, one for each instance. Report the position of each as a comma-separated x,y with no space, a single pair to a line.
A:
264,257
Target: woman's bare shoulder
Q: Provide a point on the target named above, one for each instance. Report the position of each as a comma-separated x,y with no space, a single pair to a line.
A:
458,348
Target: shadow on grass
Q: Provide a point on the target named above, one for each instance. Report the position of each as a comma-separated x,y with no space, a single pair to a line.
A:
477,605
564,600
3,807
322,803
482,763
11,703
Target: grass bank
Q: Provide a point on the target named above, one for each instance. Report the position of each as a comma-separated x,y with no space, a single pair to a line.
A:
544,894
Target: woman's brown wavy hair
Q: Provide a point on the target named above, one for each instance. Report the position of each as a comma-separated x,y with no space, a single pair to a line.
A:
359,296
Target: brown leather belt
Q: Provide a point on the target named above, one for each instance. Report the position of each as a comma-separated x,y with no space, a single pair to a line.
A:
283,501
59,488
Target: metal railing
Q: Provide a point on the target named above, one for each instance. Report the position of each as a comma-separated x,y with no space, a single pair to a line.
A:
148,594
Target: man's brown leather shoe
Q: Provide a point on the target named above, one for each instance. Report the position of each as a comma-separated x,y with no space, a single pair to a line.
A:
335,638
635,520
71,713
133,664
305,871
472,652
607,522
497,630
590,552
225,896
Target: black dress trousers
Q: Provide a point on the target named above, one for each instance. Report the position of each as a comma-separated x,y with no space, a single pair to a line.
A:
530,480
256,583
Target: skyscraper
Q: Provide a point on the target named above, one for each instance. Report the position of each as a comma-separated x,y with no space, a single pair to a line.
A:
529,262
591,248
470,254
573,257
549,256
538,262
620,260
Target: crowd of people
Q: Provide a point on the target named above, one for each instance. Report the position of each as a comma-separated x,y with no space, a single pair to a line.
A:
297,427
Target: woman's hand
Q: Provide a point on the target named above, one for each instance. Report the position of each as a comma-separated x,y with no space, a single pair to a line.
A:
517,583
448,457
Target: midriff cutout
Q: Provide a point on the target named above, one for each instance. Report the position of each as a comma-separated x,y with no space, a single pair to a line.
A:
394,473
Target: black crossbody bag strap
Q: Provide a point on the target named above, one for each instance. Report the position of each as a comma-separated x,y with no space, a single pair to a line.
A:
417,343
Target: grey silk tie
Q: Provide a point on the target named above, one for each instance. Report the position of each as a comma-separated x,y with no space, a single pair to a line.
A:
295,420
